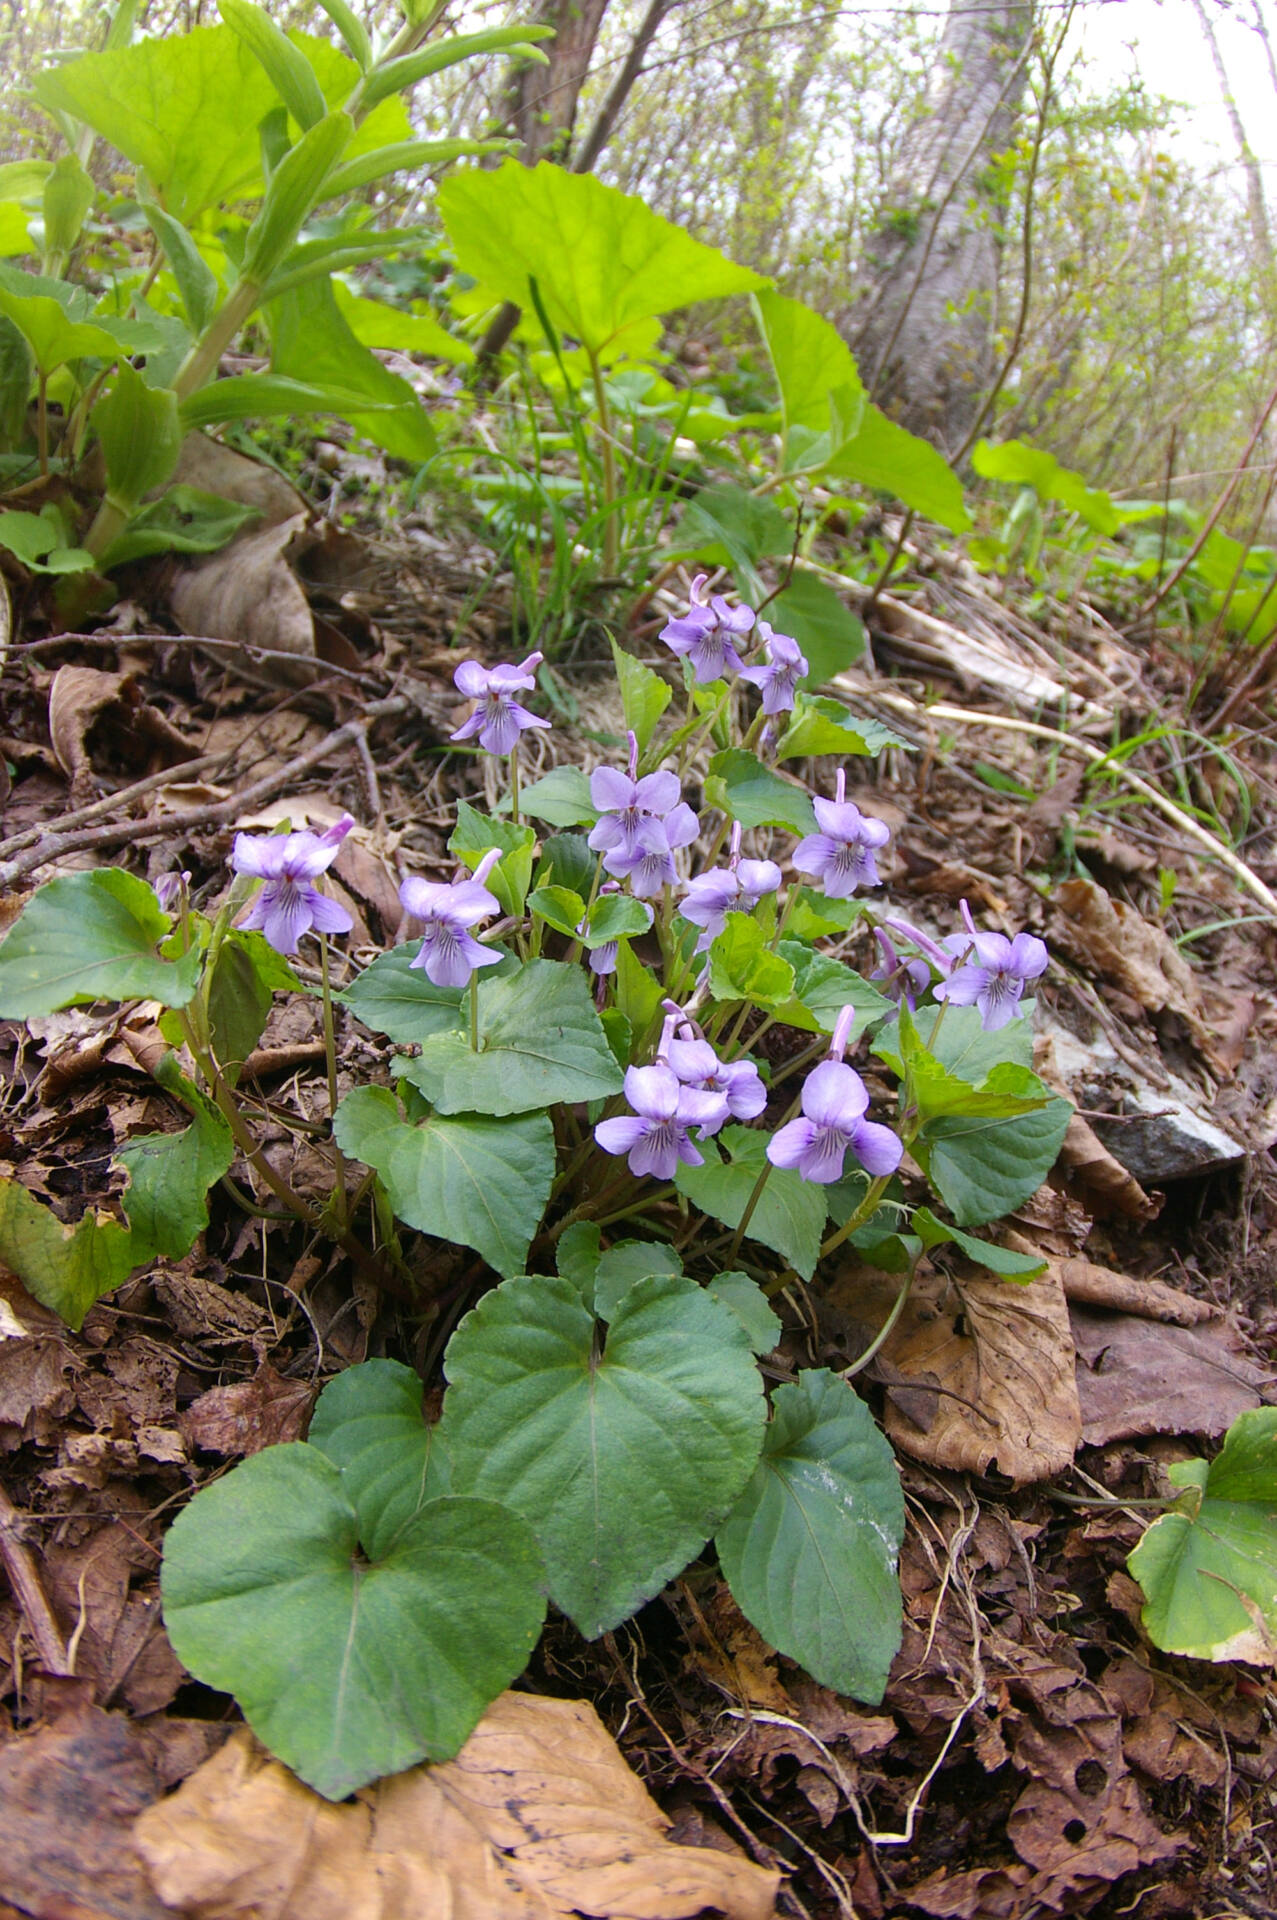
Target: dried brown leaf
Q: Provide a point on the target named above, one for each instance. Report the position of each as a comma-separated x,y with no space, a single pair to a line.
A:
68,1795
249,593
989,1368
1117,942
1138,1377
249,1415
538,1817
1094,1286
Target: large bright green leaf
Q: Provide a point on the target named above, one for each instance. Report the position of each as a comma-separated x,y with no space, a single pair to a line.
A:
348,1666
561,798
821,390
1209,1571
1026,466
810,1548
374,324
186,110
369,1422
832,427
90,936
65,1268
600,258
790,1214
622,1460
481,1182
311,341
829,633
540,1041
892,460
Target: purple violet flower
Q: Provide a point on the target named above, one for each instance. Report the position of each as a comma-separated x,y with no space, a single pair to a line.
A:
835,1100
498,719
655,1135
739,886
650,868
841,855
737,1082
631,812
705,633
994,972
778,679
169,888
448,955
901,979
288,906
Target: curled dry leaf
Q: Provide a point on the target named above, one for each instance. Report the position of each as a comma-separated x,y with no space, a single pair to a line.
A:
84,702
249,593
984,1376
1117,942
1087,1284
538,1817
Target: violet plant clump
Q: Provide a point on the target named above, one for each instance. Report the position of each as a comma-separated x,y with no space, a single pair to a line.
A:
616,1068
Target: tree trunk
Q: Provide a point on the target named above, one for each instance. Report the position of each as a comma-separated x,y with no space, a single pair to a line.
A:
924,334
542,101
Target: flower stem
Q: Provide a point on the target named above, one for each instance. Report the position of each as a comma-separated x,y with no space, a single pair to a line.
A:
754,1198
884,1332
340,1207
858,1216
610,542
474,1012
514,783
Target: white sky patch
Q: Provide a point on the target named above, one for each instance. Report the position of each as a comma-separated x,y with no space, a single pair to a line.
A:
1163,41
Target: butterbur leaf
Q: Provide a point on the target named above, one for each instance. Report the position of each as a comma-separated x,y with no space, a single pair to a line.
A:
751,1306
369,1422
1022,465
1209,1571
756,796
600,258
830,635
313,342
65,1268
623,1461
644,695
809,1550
790,1214
479,1181
540,1041
812,363
91,936
348,1666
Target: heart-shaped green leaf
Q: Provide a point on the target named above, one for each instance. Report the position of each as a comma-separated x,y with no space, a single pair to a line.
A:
623,1455
395,998
465,1177
91,936
348,1667
539,1041
810,1548
1210,1575
789,1216
65,1268
369,1422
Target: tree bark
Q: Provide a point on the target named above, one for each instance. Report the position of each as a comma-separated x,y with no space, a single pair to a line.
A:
924,335
542,101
